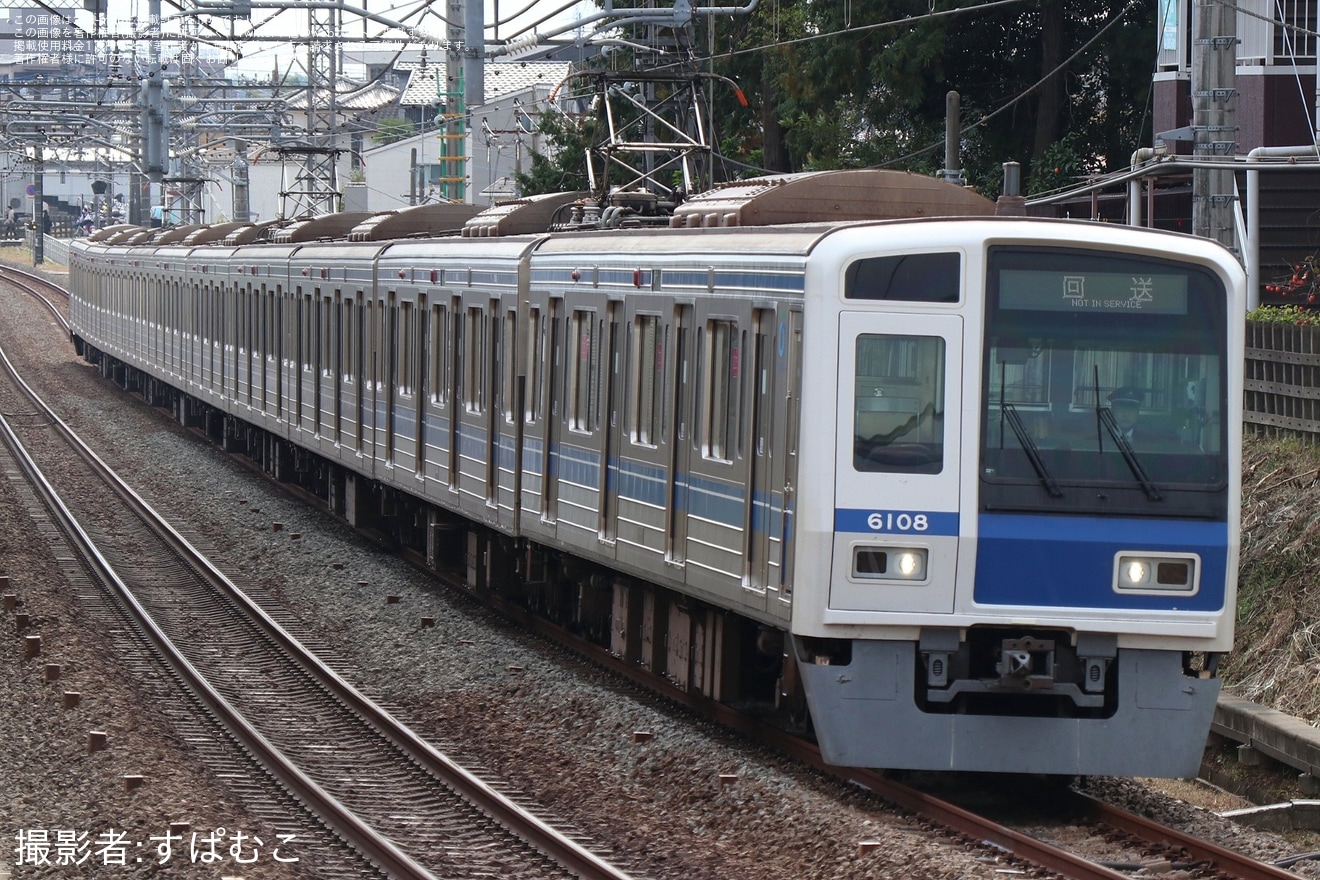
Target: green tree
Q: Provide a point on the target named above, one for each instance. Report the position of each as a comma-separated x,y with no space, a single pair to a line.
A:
1061,86
563,167
831,89
391,129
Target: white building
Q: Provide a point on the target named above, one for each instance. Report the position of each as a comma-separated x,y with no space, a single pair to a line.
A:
479,169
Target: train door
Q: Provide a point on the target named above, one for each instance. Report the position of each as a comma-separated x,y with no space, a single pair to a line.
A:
240,346
508,406
205,335
494,412
438,394
262,354
611,425
201,337
290,307
531,464
393,372
354,395
137,345
422,393
193,335
305,362
339,363
639,445
162,329
275,358
327,331
176,325
680,439
216,328
249,353
456,388
554,413
292,360
224,332
580,461
897,462
762,511
402,430
789,362
372,373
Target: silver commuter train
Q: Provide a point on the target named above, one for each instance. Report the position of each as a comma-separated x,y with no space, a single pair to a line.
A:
876,465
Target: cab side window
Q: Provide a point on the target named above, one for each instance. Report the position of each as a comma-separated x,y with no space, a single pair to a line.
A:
933,278
898,404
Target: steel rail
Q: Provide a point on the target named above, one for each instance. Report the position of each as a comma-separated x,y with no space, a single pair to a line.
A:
1224,859
375,848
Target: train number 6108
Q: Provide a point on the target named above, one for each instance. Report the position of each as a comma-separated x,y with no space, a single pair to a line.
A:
897,522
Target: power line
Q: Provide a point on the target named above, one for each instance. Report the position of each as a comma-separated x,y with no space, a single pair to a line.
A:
913,19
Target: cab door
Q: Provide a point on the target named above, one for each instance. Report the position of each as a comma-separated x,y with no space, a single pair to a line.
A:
897,462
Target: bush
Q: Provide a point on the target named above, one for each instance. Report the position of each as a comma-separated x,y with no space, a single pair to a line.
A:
1285,315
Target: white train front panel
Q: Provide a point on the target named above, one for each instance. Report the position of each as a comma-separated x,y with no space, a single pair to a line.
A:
1019,554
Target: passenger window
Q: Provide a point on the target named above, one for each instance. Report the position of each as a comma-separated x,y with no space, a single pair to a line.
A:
403,345
474,362
648,372
935,278
438,362
508,366
898,404
723,412
536,358
584,372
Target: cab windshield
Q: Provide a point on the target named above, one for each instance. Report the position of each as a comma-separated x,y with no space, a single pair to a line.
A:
1103,385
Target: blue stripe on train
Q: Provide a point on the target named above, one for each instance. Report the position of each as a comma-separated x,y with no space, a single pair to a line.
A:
1068,561
895,522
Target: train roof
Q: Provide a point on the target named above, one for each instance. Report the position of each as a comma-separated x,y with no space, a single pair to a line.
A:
829,196
442,218
795,240
510,247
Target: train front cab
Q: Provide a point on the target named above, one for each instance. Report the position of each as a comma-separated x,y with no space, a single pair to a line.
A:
1004,594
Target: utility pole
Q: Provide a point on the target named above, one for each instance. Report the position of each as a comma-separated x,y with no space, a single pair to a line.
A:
464,87
242,211
316,186
1214,117
38,205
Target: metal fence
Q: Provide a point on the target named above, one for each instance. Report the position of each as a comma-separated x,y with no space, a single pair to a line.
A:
56,250
1282,373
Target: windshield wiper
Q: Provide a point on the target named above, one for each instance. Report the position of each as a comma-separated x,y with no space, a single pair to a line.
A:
1106,417
1010,414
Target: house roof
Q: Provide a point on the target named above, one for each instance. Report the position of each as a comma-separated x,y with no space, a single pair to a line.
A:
349,95
502,78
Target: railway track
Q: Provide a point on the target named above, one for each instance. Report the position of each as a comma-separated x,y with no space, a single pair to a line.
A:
54,299
976,830
392,799
1099,836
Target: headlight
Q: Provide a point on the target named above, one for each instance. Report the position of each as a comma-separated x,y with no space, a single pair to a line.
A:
1156,573
890,563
